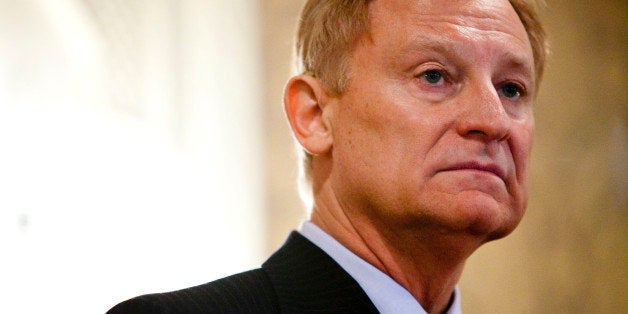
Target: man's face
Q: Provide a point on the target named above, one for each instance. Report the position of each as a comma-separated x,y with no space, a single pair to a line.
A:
435,127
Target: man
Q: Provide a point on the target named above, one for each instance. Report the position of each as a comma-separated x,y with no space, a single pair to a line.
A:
416,118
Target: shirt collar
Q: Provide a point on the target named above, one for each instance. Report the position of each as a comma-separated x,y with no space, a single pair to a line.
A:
386,294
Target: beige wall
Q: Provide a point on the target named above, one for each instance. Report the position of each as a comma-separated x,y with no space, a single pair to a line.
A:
570,254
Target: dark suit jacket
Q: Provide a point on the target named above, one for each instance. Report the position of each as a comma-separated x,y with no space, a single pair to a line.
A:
298,278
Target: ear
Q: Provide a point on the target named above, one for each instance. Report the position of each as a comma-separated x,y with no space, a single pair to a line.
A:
304,102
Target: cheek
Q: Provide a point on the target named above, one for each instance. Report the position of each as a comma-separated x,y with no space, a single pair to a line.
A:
380,144
366,124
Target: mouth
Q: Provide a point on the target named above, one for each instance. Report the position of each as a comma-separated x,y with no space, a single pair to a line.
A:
492,169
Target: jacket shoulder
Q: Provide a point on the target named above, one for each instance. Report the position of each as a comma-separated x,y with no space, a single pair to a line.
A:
246,292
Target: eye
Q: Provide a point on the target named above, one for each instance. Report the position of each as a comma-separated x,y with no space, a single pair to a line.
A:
511,90
432,76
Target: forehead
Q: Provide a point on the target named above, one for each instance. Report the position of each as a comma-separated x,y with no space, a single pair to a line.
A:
487,15
449,25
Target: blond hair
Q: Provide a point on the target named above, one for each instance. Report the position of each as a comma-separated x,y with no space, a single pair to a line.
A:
327,34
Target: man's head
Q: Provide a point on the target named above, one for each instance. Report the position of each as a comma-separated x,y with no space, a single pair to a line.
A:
419,110
329,29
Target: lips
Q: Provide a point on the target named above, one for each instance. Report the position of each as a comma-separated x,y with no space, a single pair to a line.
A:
477,166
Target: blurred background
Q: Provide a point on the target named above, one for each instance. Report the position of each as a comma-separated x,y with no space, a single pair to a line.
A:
143,148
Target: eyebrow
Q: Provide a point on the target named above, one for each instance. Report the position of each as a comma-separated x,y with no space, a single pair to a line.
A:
509,58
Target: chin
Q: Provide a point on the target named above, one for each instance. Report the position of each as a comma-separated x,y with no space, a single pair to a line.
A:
482,216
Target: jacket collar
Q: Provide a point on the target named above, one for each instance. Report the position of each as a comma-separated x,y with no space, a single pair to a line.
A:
307,279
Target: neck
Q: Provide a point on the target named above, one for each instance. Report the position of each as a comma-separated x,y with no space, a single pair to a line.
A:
426,262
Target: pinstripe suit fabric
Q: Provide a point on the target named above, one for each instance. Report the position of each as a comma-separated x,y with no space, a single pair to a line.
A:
298,278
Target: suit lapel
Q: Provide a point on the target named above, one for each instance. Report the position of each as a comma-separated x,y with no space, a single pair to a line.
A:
306,279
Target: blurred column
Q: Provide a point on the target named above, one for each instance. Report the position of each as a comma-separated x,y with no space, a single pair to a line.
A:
131,157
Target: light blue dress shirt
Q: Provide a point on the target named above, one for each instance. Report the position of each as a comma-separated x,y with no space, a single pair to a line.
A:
385,293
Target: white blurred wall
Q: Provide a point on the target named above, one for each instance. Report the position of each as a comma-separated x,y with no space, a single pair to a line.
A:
129,149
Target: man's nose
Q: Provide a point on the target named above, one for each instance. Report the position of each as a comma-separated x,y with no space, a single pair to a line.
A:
483,115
